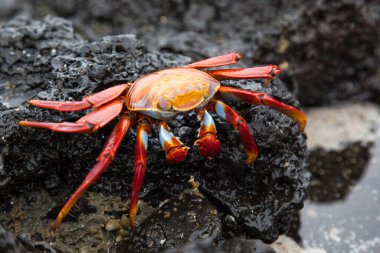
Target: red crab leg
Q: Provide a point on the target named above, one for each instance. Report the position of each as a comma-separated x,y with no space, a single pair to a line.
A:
265,72
222,60
260,98
209,145
89,123
143,130
175,151
239,124
94,100
104,159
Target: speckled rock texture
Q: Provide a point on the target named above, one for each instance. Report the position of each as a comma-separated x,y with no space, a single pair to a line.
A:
259,198
190,217
329,50
27,48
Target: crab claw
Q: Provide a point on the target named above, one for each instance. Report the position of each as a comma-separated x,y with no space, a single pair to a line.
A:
209,146
177,155
175,151
275,70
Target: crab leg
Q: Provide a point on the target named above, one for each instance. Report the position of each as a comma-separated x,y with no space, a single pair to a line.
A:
260,98
239,124
143,130
89,123
175,151
222,60
265,72
91,101
104,159
209,145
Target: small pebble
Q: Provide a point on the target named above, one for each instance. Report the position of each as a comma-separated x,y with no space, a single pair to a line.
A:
194,183
53,52
124,221
84,249
167,214
113,225
122,233
119,238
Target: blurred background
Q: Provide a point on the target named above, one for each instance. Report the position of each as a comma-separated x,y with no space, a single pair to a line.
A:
330,55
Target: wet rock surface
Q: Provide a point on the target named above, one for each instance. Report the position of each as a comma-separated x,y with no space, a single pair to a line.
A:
190,217
27,50
329,50
231,246
33,159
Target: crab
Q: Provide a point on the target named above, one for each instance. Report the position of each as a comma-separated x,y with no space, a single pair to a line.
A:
156,99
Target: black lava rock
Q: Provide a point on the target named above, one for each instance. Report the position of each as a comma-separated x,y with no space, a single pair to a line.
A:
26,50
230,246
259,197
190,217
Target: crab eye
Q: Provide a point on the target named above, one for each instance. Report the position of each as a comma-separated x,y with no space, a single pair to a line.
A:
164,104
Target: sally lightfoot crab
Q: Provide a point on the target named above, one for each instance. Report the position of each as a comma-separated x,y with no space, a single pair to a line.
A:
155,99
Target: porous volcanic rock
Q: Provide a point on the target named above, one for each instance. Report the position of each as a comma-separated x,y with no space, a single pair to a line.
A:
258,197
190,217
27,48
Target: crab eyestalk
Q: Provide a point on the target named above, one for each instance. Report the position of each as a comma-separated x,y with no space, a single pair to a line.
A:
174,149
209,145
